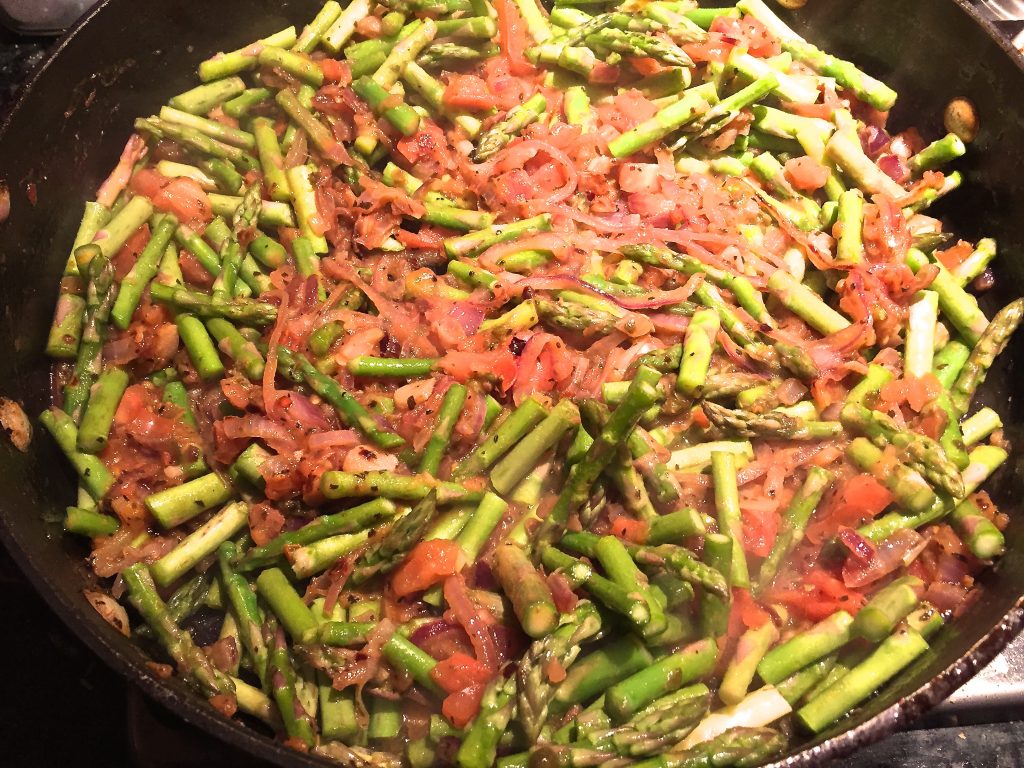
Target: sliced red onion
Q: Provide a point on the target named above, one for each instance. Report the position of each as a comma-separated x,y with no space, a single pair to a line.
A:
874,140
895,167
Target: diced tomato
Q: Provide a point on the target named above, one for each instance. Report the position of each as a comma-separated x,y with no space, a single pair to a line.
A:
629,529
953,257
700,418
647,66
429,563
468,92
745,613
181,196
714,48
914,391
335,71
806,173
760,527
126,256
826,391
464,679
458,671
555,671
461,706
858,499
818,595
638,177
759,41
604,74
500,363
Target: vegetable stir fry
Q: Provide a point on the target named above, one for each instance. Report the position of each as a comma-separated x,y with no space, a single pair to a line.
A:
457,381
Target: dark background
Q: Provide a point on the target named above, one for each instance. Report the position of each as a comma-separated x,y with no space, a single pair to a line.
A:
59,704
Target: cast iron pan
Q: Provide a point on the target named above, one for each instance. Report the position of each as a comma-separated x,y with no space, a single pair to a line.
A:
129,56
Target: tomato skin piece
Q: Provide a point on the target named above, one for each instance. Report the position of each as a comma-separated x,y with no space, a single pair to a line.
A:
513,37
458,671
639,177
915,391
468,92
745,613
806,173
462,706
181,196
629,529
464,679
335,71
429,563
647,66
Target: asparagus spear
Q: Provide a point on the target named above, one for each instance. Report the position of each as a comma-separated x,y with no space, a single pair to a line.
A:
629,696
237,310
535,690
698,348
918,451
773,424
678,559
727,504
879,617
244,609
739,746
642,395
807,647
992,342
531,598
199,671
447,415
507,434
795,520
384,554
99,301
602,669
982,537
894,654
480,746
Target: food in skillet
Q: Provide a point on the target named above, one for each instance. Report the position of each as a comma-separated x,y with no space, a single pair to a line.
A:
459,382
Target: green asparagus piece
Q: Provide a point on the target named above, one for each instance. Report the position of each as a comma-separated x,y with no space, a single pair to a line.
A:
627,697
992,342
501,133
198,670
919,452
447,415
892,656
507,434
99,411
750,652
601,669
480,746
795,520
877,619
535,690
727,504
386,552
809,646
531,598
521,460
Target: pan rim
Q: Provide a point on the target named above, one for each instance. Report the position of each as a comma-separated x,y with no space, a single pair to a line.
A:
112,648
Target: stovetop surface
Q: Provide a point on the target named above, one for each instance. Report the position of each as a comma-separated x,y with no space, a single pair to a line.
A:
72,709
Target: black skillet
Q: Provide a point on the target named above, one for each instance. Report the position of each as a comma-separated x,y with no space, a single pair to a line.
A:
130,56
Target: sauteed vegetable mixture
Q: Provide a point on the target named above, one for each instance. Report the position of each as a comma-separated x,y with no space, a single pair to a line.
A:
461,382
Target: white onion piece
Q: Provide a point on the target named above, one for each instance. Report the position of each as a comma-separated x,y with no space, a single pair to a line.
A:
15,423
112,611
762,707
